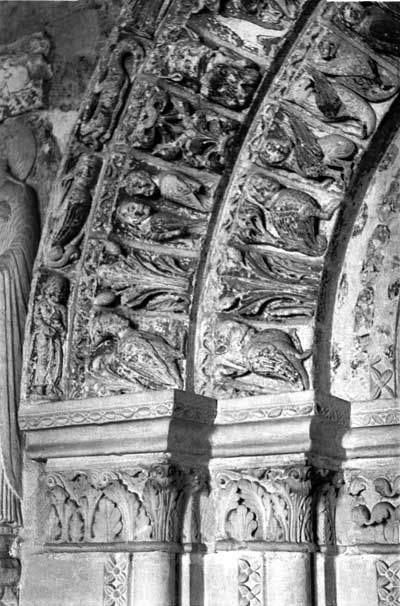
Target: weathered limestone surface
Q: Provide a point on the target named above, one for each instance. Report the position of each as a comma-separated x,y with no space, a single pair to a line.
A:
209,398
198,501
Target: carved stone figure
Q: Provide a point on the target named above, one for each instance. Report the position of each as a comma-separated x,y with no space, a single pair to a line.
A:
143,280
23,69
142,220
333,102
175,187
259,361
355,70
19,234
219,75
74,210
100,115
50,327
375,27
294,215
290,144
124,359
173,129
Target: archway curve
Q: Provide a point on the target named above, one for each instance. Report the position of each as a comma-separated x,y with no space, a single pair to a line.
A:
153,154
350,215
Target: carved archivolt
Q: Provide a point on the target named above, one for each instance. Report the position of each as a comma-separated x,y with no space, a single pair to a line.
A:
173,270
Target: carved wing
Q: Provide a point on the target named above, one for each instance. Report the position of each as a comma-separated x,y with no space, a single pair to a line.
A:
18,242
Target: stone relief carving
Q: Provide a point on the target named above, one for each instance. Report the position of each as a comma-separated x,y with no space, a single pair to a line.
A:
140,219
123,359
269,287
291,145
174,187
250,581
273,15
370,507
172,109
258,361
371,25
74,210
388,582
272,504
142,280
333,103
173,129
140,504
293,215
345,64
24,67
19,235
327,485
116,580
219,75
49,332
105,105
383,513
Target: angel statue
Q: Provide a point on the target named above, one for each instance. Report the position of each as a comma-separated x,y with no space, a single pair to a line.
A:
19,235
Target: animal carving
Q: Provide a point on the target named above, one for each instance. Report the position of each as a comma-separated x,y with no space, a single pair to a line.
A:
262,361
294,214
375,27
124,359
75,208
355,70
333,102
219,75
138,219
172,186
291,145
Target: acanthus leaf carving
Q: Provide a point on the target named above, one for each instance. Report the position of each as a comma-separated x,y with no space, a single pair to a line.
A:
142,280
264,504
160,503
268,286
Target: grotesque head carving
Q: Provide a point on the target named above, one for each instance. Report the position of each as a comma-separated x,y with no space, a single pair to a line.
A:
133,212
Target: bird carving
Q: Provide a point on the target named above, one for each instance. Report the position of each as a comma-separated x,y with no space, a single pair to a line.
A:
181,189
